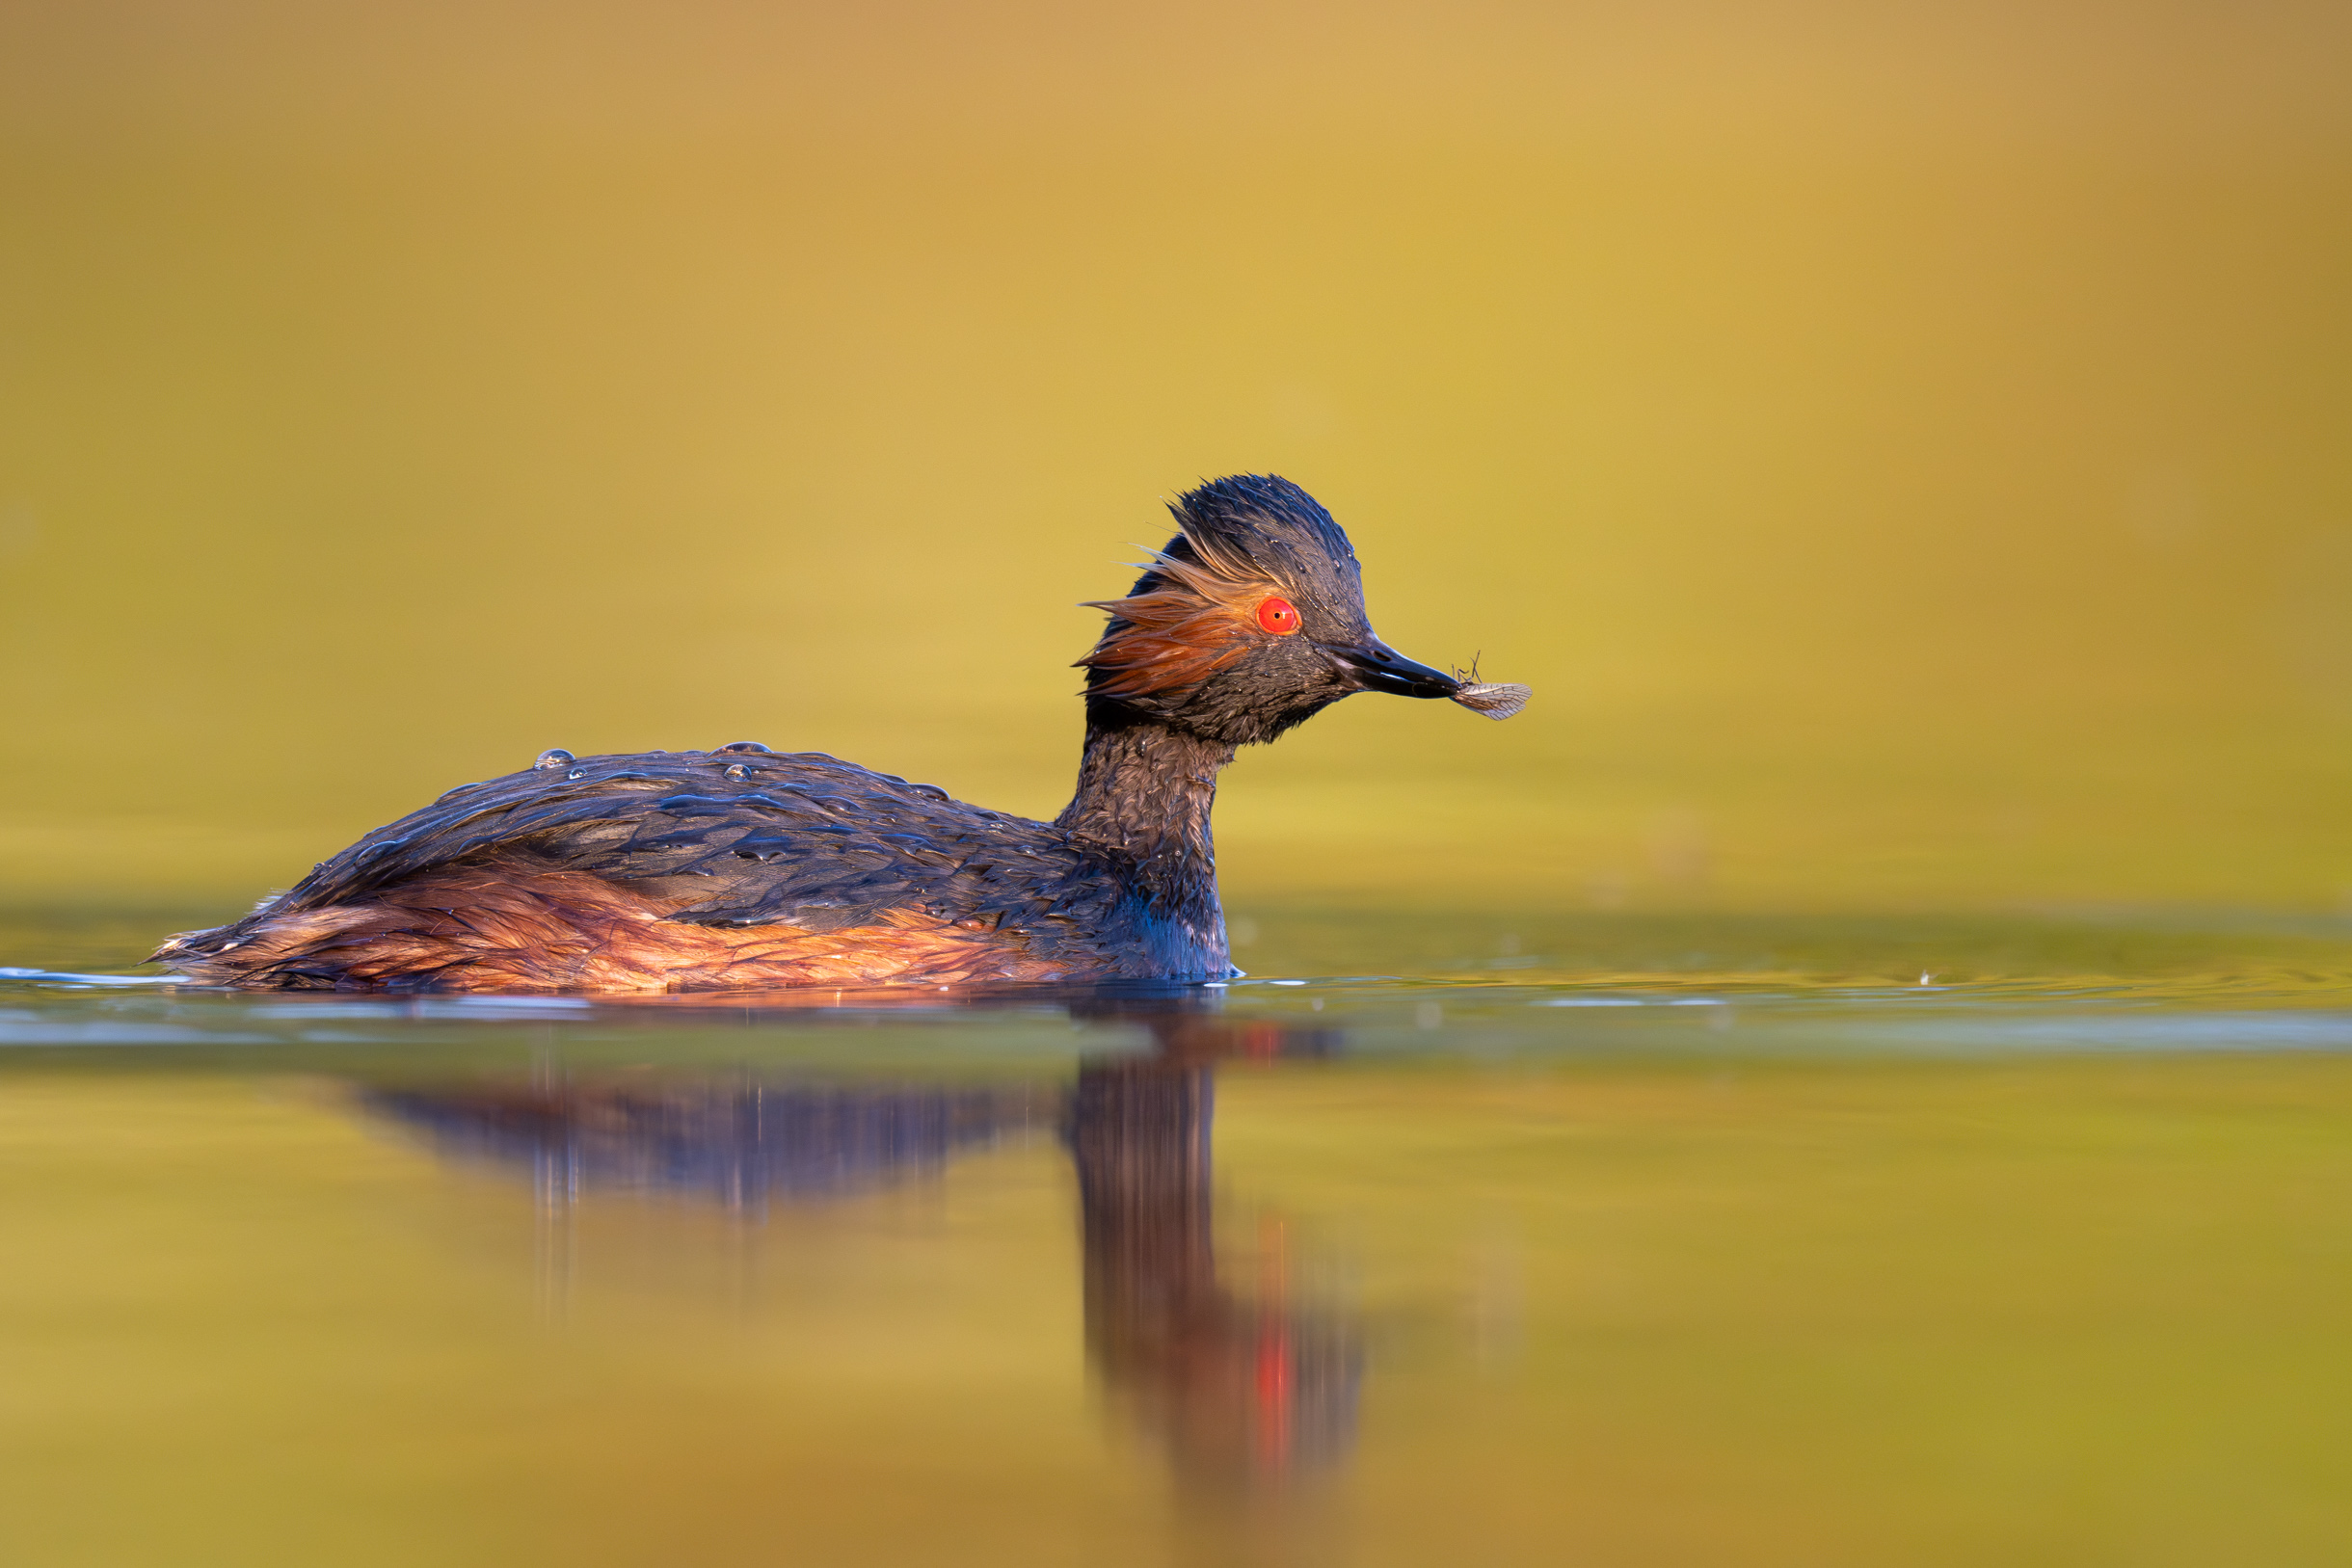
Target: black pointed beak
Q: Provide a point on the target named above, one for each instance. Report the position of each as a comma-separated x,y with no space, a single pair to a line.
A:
1373,665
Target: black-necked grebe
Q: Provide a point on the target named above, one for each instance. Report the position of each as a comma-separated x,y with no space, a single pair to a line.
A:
743,867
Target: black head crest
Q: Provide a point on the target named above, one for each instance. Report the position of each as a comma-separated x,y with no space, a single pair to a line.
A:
1265,520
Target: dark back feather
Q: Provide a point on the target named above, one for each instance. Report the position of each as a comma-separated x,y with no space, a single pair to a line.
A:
746,838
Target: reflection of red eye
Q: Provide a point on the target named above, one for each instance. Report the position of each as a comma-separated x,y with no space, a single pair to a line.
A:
1276,616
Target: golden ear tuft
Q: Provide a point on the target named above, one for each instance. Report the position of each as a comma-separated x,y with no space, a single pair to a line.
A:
1200,619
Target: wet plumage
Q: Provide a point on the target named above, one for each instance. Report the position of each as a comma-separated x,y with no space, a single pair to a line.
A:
742,867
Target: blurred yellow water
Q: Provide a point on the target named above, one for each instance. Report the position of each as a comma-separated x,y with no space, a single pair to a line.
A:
1673,1304
1628,1238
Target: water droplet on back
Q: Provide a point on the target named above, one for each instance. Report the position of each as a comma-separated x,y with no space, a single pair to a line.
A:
743,746
738,770
549,760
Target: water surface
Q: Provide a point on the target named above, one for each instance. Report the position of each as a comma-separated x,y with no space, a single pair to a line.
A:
1690,1239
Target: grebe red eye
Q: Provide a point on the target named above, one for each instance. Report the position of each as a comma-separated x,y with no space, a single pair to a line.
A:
1276,616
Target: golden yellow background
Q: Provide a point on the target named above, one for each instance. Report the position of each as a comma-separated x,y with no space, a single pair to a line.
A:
1909,449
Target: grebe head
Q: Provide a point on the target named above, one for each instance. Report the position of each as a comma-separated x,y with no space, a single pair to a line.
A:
1251,620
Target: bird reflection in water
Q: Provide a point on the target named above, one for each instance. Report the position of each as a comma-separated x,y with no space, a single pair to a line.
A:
1243,1386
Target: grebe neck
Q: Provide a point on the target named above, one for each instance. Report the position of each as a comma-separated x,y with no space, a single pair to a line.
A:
1144,792
1147,789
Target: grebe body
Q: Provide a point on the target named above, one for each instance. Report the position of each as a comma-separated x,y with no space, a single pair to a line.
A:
746,867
